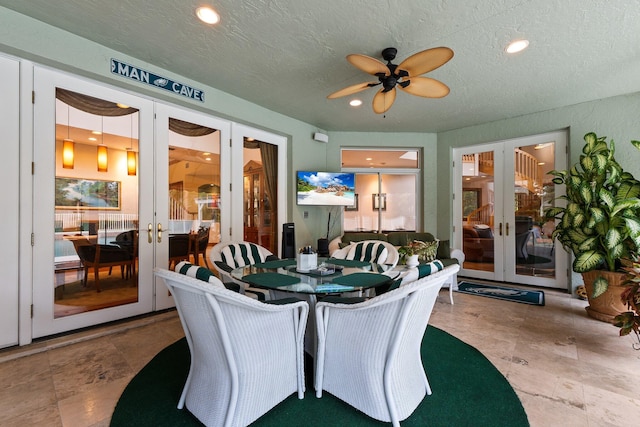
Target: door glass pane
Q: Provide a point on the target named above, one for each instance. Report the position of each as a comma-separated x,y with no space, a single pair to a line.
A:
534,192
96,204
362,216
260,192
194,191
398,206
477,210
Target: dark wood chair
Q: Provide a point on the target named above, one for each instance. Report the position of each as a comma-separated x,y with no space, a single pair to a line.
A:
198,245
97,256
179,248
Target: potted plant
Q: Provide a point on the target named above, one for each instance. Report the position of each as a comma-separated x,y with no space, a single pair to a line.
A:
412,251
600,224
630,320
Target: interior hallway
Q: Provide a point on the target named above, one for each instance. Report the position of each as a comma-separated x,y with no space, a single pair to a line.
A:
567,369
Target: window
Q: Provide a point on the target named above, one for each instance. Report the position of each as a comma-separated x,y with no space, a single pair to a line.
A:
386,188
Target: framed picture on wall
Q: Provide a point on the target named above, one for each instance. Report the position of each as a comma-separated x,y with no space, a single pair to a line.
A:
78,193
354,207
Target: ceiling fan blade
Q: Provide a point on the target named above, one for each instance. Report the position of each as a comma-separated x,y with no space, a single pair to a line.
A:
351,89
368,64
383,100
425,61
426,87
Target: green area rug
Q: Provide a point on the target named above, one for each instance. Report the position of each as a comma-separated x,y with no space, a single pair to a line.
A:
467,391
500,292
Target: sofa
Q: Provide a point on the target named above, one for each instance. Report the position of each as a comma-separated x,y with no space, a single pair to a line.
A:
477,243
446,254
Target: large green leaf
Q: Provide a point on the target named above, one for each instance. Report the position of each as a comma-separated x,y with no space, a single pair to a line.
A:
585,193
597,214
635,144
600,285
607,198
588,244
633,224
576,236
625,204
613,238
618,251
600,162
553,212
578,220
587,261
587,164
590,141
628,190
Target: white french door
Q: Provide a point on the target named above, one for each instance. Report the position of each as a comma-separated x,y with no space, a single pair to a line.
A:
257,212
83,206
501,190
9,123
192,190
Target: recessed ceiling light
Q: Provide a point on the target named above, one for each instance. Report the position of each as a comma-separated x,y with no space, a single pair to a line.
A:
368,159
208,158
208,15
206,154
93,139
96,132
355,102
517,46
540,163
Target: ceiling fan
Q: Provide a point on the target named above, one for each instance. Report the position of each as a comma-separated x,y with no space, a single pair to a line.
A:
404,76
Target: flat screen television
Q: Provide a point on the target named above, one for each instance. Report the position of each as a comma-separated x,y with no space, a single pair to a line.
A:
325,188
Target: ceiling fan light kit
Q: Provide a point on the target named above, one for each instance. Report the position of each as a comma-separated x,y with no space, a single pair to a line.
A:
405,76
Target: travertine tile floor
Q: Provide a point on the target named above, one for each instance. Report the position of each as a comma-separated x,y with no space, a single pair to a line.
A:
567,369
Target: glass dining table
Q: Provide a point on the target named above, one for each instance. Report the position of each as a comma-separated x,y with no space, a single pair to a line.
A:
332,276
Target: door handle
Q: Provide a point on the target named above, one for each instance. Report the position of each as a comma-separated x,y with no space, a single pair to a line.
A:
159,233
150,233
507,226
500,230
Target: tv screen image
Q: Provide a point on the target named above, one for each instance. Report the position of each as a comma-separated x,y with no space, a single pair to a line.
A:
326,188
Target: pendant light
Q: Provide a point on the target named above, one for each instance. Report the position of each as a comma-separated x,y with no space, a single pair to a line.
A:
102,151
131,155
68,146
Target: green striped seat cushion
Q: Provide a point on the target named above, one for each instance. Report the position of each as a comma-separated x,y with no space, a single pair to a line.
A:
203,274
423,270
369,251
240,254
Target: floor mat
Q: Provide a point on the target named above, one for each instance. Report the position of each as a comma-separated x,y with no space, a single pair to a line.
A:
499,292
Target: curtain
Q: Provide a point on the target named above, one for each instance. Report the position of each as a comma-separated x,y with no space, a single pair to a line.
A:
269,154
92,105
100,107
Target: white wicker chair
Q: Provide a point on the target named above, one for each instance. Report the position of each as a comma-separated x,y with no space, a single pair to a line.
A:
226,256
246,356
369,352
377,251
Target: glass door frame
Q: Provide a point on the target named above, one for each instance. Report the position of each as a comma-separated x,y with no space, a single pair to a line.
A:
161,186
239,132
45,82
504,209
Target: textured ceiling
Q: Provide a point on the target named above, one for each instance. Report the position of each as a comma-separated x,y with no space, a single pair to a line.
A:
288,55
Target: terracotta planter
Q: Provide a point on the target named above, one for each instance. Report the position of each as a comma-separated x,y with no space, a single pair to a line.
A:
608,305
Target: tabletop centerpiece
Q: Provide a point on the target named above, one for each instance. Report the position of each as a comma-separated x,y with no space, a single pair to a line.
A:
415,251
